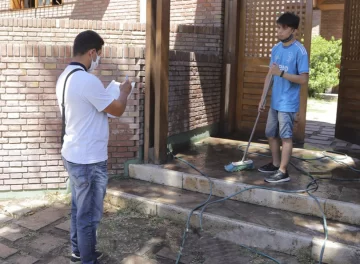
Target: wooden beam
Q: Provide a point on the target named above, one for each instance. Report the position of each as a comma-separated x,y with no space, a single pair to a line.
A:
149,78
241,65
300,132
325,7
161,80
230,53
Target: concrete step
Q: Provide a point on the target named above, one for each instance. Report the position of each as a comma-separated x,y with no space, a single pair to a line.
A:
241,223
299,203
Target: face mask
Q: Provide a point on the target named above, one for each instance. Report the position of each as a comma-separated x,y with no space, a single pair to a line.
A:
94,64
287,39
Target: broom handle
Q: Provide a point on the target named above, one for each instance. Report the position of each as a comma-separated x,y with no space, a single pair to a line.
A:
258,116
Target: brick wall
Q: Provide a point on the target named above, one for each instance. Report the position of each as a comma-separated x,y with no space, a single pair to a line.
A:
332,22
106,10
63,31
30,123
316,23
198,12
194,92
205,39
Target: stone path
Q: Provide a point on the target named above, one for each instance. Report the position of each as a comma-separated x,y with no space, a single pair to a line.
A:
40,235
320,127
323,134
31,235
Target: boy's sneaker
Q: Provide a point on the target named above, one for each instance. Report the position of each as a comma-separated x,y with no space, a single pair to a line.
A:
268,168
75,258
278,176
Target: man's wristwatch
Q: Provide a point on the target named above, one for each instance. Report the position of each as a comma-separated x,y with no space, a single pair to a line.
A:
282,73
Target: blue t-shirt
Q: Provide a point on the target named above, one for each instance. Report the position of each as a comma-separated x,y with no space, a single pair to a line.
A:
292,59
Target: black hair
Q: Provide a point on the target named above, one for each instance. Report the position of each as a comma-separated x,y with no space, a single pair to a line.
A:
86,41
289,19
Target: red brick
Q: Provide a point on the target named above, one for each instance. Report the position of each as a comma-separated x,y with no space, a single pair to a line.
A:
33,163
33,151
34,186
16,181
14,72
14,134
32,65
16,187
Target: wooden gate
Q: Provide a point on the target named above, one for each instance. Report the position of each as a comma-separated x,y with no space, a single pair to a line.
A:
348,115
257,37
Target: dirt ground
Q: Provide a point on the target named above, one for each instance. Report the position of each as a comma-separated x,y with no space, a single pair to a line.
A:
125,235
37,231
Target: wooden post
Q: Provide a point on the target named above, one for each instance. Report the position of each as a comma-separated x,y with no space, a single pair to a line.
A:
228,93
299,135
161,80
241,65
149,78
156,81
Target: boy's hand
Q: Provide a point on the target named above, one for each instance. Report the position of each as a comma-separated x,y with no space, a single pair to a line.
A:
275,70
261,107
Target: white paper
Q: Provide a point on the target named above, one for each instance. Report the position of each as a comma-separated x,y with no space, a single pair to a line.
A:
114,89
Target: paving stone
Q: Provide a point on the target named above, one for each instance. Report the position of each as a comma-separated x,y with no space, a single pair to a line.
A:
24,260
316,141
64,226
330,128
59,260
319,137
6,251
43,218
327,133
341,144
16,210
45,243
4,218
12,232
355,146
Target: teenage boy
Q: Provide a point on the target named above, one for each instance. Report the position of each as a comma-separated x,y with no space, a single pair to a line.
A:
289,66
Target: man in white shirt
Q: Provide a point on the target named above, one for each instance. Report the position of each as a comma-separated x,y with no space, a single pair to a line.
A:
84,104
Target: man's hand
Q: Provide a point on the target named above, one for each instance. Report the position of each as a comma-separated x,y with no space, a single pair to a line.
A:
275,70
261,107
125,87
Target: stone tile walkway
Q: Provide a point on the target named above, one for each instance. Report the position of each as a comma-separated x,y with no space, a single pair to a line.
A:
41,236
31,235
320,127
322,135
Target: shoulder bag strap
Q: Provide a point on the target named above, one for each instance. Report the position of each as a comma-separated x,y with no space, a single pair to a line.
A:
63,105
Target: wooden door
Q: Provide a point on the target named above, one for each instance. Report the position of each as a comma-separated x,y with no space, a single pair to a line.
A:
348,114
257,37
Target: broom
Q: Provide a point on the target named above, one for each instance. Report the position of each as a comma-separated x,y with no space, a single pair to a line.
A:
249,164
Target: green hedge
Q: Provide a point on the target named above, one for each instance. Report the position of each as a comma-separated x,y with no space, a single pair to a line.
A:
324,57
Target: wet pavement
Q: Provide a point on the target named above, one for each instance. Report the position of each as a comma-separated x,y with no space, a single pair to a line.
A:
210,156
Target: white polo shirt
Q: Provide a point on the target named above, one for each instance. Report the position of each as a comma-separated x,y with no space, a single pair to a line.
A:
87,128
